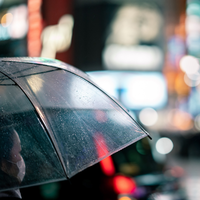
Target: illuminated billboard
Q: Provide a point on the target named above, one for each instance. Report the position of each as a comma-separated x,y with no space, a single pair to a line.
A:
135,90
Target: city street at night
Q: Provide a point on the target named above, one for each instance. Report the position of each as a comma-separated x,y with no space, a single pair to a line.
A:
100,99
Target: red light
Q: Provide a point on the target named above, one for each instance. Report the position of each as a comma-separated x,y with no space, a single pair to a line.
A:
107,166
101,146
35,28
124,185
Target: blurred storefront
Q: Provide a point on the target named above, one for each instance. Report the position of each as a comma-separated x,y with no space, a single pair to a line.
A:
144,53
145,37
13,28
56,38
28,26
150,42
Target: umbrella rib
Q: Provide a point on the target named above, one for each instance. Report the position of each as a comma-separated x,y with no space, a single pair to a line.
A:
22,76
43,123
23,70
33,73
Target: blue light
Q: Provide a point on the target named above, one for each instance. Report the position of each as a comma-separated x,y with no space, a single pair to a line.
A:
193,8
4,35
135,90
145,90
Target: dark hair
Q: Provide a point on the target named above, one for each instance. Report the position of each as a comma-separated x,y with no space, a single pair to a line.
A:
6,137
6,145
6,142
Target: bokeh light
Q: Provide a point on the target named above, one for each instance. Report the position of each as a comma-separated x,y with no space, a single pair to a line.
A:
193,8
148,116
123,184
192,81
192,24
180,119
197,122
125,198
189,64
19,24
164,145
6,20
144,90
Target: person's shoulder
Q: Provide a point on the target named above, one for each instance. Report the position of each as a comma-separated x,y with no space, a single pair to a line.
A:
9,198
10,194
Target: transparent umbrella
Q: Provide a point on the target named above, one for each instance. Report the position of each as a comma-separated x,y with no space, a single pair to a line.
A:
55,122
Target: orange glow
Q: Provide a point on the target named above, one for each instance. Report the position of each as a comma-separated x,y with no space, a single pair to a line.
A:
180,28
181,120
170,78
6,19
124,185
34,46
125,198
34,25
180,86
34,5
35,28
34,35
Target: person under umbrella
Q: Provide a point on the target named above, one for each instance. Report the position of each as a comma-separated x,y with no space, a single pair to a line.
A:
12,166
51,105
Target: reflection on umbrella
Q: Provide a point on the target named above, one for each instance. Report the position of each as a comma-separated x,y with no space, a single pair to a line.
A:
55,122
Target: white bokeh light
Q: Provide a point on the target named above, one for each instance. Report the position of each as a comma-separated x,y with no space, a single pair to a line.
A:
164,145
189,64
144,90
197,122
191,81
148,116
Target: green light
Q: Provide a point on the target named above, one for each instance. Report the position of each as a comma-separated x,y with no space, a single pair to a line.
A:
50,191
140,149
193,8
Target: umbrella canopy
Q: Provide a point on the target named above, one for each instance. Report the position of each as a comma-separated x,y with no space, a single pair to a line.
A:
55,122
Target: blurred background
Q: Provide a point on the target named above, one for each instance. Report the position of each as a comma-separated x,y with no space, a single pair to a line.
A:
146,54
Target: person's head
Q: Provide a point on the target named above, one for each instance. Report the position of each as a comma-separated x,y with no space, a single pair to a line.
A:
11,161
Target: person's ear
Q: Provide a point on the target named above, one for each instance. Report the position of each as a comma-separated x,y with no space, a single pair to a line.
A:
4,166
